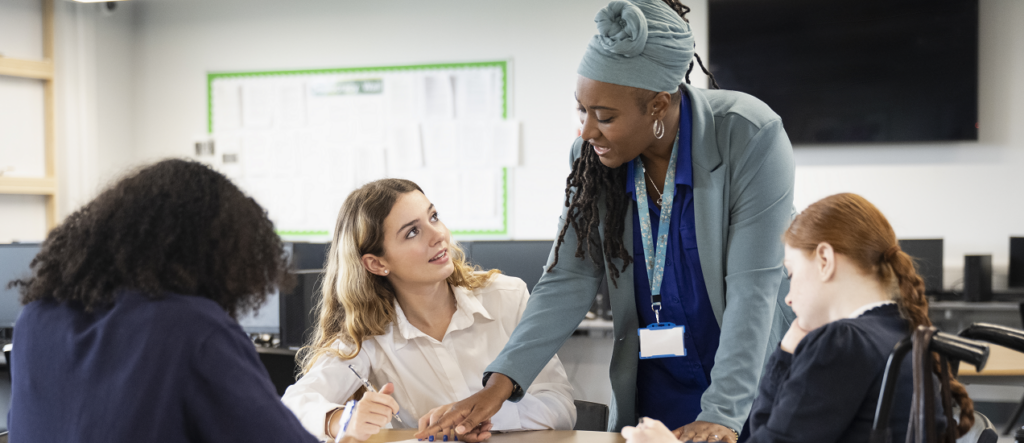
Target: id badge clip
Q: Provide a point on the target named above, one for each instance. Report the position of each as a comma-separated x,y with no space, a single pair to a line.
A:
661,340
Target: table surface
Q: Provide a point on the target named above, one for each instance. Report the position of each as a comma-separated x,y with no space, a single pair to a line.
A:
389,435
1001,362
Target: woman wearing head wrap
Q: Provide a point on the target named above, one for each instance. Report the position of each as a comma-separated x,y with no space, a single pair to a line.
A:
714,171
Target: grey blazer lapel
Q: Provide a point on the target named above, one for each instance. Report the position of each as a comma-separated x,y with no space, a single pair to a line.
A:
710,203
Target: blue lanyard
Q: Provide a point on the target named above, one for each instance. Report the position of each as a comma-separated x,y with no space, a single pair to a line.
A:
655,258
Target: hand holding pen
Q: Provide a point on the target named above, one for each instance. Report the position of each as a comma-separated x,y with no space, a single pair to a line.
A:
369,387
367,417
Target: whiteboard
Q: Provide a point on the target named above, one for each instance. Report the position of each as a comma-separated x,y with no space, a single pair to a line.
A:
300,141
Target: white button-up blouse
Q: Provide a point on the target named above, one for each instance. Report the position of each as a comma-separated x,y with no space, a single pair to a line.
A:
428,373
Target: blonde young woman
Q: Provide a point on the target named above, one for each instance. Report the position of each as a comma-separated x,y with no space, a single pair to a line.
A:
403,307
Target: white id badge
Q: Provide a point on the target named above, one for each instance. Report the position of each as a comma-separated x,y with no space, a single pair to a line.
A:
660,340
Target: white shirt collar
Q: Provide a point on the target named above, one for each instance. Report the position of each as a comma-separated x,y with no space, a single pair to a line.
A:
466,307
860,311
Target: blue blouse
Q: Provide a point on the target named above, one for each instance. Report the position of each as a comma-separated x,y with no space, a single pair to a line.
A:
670,389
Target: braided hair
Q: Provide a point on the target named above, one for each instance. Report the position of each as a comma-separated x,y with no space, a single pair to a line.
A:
591,181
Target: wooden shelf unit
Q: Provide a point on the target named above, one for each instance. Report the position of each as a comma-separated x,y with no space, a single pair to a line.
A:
39,70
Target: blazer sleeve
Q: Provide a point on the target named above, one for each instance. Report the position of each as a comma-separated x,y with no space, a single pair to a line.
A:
760,207
548,403
559,303
826,387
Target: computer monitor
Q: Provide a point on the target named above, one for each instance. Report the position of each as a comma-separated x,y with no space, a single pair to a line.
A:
309,255
297,308
14,264
523,259
927,254
265,321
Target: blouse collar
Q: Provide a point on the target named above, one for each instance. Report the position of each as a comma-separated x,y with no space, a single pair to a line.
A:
864,309
467,307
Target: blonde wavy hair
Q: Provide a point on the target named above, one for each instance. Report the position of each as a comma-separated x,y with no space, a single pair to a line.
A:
355,304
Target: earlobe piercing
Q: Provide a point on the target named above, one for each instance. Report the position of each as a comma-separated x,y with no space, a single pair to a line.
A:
386,271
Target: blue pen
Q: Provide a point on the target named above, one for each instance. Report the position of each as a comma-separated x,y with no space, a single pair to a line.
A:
369,387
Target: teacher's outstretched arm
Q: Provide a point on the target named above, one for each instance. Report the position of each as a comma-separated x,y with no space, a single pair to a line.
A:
559,302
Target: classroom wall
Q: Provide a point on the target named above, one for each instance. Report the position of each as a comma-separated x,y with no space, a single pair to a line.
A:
179,42
964,192
132,90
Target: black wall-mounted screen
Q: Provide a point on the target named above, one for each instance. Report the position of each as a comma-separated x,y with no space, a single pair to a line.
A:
853,71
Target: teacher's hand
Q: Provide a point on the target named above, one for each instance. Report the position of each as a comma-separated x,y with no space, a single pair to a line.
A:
479,433
467,415
705,431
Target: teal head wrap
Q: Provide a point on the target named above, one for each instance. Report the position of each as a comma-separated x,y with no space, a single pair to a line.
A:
639,43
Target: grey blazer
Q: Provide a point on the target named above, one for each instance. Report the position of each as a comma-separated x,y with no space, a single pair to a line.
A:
743,201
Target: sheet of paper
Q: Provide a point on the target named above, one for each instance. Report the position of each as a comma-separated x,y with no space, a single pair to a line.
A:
438,96
475,143
476,96
285,203
367,125
403,97
404,150
257,105
256,156
370,165
283,155
440,143
480,193
227,105
293,103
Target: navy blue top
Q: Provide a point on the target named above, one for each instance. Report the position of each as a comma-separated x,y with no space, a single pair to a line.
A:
827,389
669,389
176,369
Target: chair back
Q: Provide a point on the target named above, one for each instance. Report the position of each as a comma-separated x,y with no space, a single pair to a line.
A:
973,352
591,416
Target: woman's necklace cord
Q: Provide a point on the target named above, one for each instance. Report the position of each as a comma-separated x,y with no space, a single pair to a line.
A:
655,187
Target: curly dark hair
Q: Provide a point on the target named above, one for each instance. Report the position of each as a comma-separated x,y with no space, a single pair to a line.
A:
590,179
176,226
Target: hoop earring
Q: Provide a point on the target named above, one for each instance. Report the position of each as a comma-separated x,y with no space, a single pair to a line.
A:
659,129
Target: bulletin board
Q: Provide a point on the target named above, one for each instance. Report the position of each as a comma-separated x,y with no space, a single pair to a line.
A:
300,141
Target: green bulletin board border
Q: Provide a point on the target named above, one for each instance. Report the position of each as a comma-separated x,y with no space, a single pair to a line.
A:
503,65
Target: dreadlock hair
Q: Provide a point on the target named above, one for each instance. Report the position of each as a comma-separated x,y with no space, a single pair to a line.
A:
857,229
590,179
173,227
